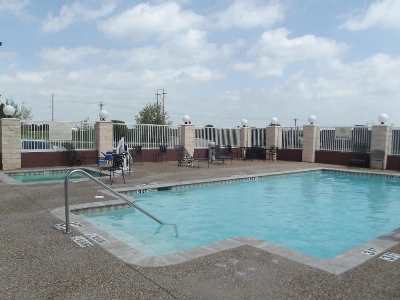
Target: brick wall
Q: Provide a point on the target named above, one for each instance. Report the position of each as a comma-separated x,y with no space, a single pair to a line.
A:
54,159
290,154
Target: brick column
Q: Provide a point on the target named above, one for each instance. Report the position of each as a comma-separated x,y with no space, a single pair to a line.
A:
245,139
187,138
381,140
104,136
311,140
273,136
10,143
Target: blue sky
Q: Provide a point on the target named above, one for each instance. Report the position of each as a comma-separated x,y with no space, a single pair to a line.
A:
220,61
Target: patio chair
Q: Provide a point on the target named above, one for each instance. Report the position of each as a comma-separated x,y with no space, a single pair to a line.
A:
377,159
224,153
185,159
162,155
112,163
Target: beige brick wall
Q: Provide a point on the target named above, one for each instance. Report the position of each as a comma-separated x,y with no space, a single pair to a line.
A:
381,139
187,138
245,137
10,143
311,140
104,136
273,136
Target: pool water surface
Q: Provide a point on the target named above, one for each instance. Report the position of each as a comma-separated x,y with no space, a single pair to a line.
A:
317,213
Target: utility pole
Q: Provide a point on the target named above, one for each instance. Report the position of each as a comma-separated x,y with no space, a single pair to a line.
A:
163,101
157,95
52,107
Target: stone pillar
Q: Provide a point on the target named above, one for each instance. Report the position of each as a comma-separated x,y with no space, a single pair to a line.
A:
273,136
10,143
381,142
104,136
187,138
311,140
245,140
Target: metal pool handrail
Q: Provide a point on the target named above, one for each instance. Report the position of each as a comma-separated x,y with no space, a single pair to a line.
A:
115,193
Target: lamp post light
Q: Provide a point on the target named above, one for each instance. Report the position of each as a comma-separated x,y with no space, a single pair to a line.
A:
274,121
312,119
244,122
383,118
103,115
187,120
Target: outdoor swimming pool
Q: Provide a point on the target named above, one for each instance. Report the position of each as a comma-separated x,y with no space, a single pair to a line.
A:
47,175
317,213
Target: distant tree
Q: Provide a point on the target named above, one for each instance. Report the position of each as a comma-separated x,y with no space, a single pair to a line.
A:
21,111
152,114
209,125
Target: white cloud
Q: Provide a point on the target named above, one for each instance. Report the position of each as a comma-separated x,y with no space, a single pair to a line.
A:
275,51
247,14
14,6
67,56
7,55
382,13
145,21
77,12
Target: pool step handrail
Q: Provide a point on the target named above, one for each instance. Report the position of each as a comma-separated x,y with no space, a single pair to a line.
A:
115,193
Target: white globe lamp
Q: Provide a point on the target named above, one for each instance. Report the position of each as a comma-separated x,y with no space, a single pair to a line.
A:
274,121
244,122
187,120
312,119
103,115
9,110
383,118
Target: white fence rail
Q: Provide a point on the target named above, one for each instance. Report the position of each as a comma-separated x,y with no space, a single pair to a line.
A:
258,137
37,136
292,138
148,136
395,150
220,136
357,140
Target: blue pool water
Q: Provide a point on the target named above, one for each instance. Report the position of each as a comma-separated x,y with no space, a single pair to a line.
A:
47,175
319,213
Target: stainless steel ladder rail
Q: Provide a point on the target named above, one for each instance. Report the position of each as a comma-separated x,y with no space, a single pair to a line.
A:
115,193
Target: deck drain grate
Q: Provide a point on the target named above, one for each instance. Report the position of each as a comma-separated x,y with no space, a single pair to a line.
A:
390,256
61,226
370,251
81,241
95,238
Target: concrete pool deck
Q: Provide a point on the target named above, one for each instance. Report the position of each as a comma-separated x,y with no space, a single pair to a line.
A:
39,262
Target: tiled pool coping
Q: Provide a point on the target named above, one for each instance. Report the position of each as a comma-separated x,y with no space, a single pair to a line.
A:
337,265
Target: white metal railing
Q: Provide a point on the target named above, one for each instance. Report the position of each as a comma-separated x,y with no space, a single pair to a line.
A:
149,136
358,139
292,138
395,149
258,137
38,136
220,136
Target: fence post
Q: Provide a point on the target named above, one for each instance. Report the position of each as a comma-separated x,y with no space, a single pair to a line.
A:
10,144
245,138
187,135
381,140
273,136
104,136
311,141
